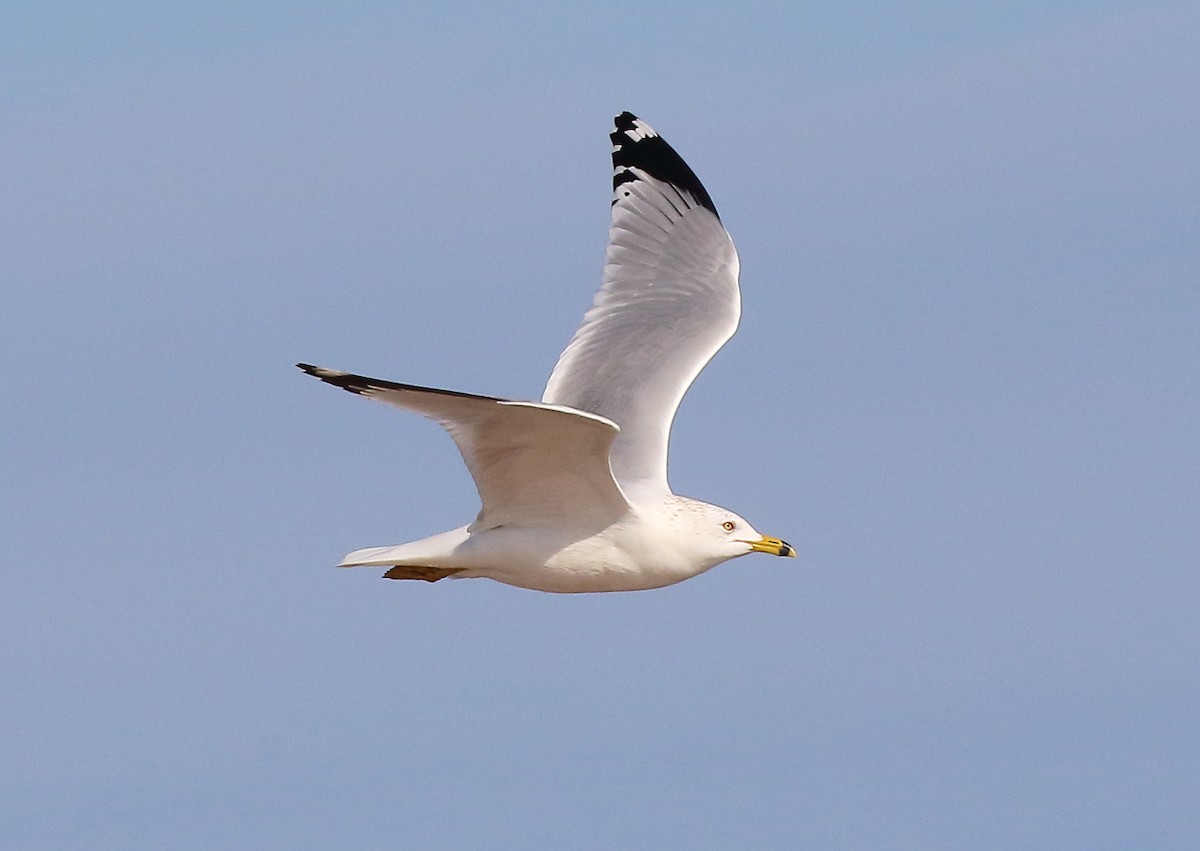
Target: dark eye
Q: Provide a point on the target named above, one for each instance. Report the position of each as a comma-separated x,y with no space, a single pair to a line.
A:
728,525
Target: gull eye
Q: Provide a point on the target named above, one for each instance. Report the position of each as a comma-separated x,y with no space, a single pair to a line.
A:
728,525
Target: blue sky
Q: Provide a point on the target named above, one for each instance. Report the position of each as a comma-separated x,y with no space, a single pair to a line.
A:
964,388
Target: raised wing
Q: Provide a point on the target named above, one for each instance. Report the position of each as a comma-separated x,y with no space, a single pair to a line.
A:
533,464
669,301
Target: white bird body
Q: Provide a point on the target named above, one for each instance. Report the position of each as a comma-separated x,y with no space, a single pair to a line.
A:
623,556
574,488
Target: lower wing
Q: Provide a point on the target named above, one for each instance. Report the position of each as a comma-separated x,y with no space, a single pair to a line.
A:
533,463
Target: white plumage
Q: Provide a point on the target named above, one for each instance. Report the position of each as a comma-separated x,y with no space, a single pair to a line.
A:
574,488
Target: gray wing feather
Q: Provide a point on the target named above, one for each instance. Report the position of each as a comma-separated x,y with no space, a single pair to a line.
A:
668,302
533,463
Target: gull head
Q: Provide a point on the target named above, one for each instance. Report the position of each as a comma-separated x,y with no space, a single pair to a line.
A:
708,534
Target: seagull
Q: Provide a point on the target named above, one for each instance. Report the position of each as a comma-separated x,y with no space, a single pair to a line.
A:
574,487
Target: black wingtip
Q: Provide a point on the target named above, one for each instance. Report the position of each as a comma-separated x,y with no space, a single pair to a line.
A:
636,145
352,383
365,386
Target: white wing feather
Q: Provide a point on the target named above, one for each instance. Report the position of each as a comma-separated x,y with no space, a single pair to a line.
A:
533,464
668,302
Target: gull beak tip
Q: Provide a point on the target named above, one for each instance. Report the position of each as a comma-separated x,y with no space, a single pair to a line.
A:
773,546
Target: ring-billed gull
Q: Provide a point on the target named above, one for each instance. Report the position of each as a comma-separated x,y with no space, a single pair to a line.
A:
574,488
